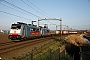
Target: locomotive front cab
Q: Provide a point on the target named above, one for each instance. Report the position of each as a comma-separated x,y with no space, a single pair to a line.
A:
45,32
15,31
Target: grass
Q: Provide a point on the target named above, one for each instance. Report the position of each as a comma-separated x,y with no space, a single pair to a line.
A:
44,50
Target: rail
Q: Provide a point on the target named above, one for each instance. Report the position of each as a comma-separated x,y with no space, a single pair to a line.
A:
10,47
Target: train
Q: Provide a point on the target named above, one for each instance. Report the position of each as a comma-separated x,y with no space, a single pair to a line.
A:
66,32
23,31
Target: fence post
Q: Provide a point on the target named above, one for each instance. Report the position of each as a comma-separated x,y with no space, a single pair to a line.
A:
59,52
31,56
50,54
40,57
81,53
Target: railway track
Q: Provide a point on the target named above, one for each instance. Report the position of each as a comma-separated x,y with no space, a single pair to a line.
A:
6,43
10,46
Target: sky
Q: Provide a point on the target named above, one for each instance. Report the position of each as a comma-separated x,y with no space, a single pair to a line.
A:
74,13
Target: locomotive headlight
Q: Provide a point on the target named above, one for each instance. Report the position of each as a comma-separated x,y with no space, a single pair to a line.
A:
0,58
10,34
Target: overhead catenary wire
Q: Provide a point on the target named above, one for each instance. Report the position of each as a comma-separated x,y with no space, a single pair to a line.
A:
37,7
15,15
32,8
20,8
13,9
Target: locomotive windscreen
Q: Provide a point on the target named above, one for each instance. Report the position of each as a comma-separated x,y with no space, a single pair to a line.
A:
16,26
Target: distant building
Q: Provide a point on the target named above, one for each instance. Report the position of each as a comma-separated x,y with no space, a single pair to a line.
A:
1,31
4,31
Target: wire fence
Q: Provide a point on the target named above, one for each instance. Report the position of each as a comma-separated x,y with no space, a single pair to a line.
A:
50,51
48,55
85,52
